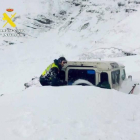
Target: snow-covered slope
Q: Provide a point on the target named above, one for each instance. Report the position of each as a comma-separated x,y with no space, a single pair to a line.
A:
78,24
73,28
60,113
85,23
124,36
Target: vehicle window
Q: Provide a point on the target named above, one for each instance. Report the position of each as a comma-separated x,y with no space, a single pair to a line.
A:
123,76
75,74
114,65
104,83
115,77
104,77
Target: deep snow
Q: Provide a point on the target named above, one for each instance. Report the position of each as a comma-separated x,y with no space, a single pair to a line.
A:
93,30
59,113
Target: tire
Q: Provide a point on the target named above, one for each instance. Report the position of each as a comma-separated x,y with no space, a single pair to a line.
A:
82,82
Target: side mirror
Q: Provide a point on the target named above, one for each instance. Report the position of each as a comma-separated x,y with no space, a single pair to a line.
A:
130,77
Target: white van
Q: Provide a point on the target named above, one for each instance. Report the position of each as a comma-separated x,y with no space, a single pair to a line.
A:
104,74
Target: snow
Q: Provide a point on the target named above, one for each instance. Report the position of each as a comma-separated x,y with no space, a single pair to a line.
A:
98,30
70,113
124,36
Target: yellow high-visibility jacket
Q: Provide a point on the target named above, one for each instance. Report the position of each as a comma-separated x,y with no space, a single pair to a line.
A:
47,70
51,75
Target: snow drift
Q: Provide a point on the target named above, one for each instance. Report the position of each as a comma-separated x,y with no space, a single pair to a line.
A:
59,113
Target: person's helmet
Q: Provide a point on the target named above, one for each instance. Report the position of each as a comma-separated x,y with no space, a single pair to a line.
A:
62,59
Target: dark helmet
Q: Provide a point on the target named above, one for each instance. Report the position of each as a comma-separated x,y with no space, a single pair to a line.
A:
61,59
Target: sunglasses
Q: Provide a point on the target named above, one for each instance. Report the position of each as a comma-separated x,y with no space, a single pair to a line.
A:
64,62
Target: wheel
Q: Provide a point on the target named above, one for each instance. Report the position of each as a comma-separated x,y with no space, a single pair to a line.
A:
82,82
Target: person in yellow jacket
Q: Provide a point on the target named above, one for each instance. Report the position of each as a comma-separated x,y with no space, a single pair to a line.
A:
51,75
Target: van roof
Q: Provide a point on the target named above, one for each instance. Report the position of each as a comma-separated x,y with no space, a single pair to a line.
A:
101,65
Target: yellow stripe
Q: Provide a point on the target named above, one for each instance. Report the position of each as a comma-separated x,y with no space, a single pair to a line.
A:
48,68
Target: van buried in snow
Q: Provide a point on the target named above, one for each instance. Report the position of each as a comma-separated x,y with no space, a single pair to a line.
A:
104,74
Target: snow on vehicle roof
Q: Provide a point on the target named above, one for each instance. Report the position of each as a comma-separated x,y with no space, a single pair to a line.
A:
102,65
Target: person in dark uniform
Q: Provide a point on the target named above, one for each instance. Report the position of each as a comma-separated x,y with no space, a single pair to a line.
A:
51,75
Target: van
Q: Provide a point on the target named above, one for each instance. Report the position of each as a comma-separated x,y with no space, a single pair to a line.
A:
104,74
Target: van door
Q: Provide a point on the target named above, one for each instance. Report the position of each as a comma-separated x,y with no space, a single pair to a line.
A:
104,81
115,76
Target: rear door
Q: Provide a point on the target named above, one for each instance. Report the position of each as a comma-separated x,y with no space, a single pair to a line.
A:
84,73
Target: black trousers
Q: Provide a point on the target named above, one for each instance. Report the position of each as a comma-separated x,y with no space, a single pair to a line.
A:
43,81
54,82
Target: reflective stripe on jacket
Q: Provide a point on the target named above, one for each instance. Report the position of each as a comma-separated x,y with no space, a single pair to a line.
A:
48,69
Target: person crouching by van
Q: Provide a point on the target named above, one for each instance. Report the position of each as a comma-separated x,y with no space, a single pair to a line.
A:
51,74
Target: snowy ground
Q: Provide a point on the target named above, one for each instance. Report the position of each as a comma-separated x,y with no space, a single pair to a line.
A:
99,30
72,112
78,24
60,113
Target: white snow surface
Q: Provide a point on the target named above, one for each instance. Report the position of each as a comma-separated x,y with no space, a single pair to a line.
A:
94,30
59,113
68,112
